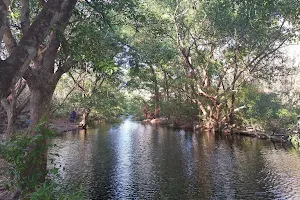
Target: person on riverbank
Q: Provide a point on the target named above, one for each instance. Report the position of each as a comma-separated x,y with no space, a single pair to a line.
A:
73,116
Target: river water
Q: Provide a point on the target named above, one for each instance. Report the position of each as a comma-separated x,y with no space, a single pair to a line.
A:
134,161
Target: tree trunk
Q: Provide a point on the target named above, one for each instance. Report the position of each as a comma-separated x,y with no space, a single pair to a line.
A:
11,119
4,4
42,81
231,110
10,108
39,105
156,93
84,119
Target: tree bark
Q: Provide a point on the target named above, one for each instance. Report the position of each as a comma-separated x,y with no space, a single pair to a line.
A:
39,105
11,117
25,21
14,106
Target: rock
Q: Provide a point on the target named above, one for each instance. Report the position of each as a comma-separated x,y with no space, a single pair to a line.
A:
155,121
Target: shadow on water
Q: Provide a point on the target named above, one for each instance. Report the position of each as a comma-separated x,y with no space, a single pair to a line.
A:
129,160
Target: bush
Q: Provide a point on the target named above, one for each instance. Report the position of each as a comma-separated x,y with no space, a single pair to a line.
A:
266,110
49,191
23,149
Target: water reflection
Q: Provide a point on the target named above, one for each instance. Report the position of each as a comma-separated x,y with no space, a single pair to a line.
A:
134,161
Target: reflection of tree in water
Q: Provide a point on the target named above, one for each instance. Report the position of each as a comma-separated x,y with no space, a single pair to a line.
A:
202,146
139,161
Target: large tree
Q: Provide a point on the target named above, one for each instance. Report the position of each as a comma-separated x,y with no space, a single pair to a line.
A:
223,45
25,59
14,66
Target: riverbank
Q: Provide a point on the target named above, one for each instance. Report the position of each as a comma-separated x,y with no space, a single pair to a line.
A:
62,125
190,126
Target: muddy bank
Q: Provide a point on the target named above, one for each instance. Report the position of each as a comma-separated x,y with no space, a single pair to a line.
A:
188,126
261,135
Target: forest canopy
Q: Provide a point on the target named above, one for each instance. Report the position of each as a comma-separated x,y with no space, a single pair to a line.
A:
180,59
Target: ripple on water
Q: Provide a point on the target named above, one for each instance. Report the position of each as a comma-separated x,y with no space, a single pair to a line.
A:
133,161
281,174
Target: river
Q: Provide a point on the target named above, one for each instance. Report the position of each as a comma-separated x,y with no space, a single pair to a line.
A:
134,161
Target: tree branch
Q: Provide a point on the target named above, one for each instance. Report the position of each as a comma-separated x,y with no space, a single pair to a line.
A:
4,5
25,21
51,14
64,68
9,40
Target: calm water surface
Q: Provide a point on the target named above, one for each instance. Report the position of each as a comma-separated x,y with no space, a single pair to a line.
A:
134,161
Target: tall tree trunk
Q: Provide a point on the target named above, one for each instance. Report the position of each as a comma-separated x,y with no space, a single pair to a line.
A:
231,110
11,117
39,105
41,96
42,88
156,92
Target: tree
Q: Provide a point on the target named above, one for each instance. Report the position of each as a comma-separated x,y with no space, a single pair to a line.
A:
221,57
14,66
